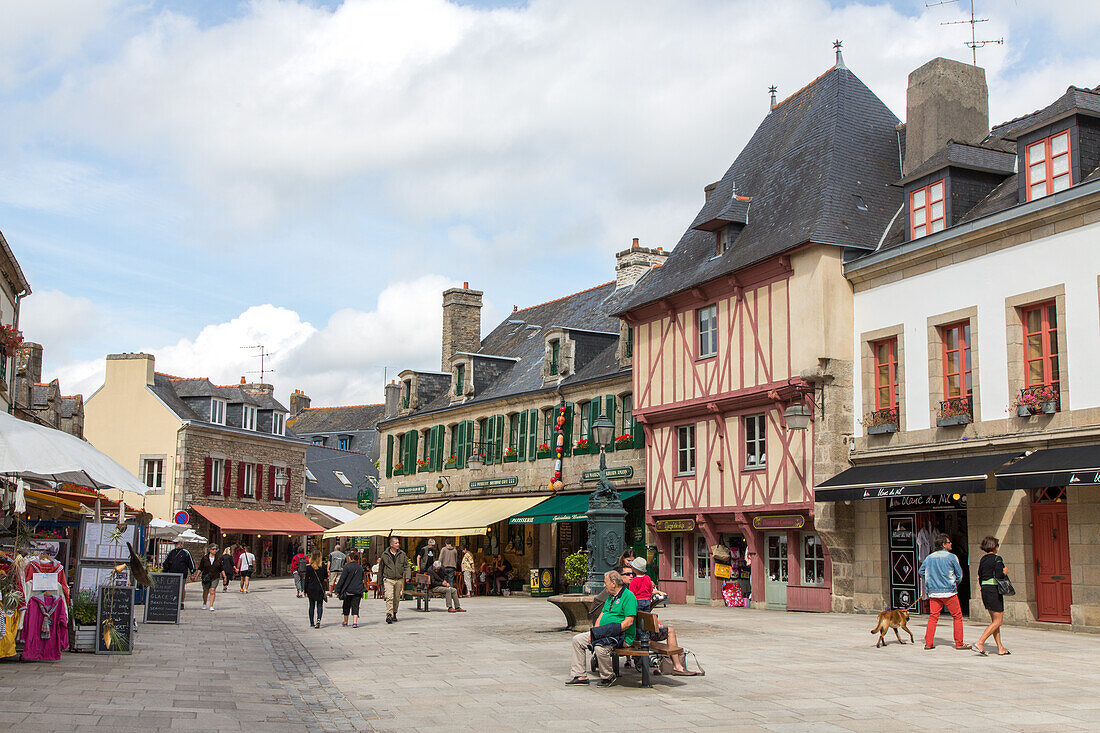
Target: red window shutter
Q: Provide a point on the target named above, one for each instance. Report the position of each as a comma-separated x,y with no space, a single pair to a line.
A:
228,479
259,481
240,479
207,468
270,482
286,492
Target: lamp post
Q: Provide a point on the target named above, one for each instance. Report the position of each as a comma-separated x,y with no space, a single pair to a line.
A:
606,516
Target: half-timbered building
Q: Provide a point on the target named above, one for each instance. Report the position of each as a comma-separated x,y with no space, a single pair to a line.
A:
749,318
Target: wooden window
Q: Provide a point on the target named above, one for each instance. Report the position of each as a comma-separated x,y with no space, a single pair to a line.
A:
513,431
627,425
1048,168
278,423
248,417
217,411
725,236
813,560
957,378
154,473
273,474
685,450
320,440
247,480
677,559
1041,345
886,373
548,426
460,379
555,352
706,320
407,400
629,342
926,210
756,428
345,442
217,476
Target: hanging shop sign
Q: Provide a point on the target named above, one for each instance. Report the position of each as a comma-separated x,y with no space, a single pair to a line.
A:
612,473
419,489
674,525
365,499
785,521
494,483
935,501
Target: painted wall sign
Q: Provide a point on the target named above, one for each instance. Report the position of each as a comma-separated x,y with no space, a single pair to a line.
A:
612,473
935,501
786,521
494,483
365,499
674,525
419,489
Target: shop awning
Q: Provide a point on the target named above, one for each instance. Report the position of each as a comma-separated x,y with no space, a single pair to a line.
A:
333,513
253,521
913,478
383,519
562,508
468,517
1068,466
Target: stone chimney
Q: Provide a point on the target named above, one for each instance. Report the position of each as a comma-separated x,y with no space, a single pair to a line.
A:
393,398
461,324
130,367
28,362
258,388
298,402
631,264
946,100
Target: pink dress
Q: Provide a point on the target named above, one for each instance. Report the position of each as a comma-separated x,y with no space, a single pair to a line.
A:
45,629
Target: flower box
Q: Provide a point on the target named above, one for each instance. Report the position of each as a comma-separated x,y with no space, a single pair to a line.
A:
955,411
624,441
1023,411
953,420
398,469
451,463
581,447
1038,398
510,458
883,429
881,422
543,453
1050,407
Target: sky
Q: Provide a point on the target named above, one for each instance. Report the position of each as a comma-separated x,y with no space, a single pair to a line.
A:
191,178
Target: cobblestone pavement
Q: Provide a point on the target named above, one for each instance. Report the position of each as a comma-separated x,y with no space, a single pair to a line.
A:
255,664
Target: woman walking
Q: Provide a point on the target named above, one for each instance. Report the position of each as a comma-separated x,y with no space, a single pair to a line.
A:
297,566
315,583
210,568
246,565
227,568
350,589
991,568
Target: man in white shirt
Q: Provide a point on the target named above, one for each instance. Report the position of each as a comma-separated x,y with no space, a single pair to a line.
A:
246,563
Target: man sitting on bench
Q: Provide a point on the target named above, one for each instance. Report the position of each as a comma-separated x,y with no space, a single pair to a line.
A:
439,583
614,628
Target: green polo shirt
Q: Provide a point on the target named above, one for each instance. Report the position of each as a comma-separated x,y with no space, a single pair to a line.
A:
617,609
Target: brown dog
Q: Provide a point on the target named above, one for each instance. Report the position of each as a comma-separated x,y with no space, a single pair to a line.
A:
892,620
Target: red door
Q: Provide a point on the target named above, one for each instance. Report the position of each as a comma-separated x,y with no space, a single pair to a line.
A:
1050,540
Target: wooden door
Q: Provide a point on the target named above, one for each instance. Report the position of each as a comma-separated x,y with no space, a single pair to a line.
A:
775,579
1050,541
702,570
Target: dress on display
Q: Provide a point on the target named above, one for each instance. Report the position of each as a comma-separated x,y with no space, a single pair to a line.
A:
46,631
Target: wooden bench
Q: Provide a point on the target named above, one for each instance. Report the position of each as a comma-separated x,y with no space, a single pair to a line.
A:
423,592
642,651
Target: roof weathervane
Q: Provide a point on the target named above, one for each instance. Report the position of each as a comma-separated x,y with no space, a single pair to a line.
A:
973,44
772,90
837,45
264,353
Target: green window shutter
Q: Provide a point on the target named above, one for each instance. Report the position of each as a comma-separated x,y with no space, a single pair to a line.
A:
389,456
639,434
458,447
609,409
567,430
532,434
460,379
521,437
469,442
411,440
629,342
499,450
486,440
593,415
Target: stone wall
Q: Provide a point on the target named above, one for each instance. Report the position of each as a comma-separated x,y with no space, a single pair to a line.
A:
1083,510
1005,515
461,322
870,582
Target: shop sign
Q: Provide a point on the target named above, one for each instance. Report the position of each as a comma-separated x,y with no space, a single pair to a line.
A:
936,501
674,525
494,483
357,543
786,521
612,473
419,489
364,499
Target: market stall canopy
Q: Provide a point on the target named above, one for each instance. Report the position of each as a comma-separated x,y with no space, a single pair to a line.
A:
252,521
966,475
50,498
466,517
337,514
191,536
37,452
381,520
161,529
562,508
1073,465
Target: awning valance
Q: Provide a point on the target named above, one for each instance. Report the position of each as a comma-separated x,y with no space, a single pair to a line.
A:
252,521
562,508
1067,466
383,519
467,517
966,475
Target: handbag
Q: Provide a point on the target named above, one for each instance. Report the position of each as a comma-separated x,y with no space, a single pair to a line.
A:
1004,585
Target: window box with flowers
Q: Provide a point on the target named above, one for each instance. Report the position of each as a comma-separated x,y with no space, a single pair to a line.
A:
398,469
423,465
510,455
1038,398
624,441
955,411
581,447
10,339
543,451
451,462
881,422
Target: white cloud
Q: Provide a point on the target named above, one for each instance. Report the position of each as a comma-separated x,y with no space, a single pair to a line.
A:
58,321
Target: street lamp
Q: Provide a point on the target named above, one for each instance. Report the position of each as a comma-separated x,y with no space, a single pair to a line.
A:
606,516
797,417
475,461
281,480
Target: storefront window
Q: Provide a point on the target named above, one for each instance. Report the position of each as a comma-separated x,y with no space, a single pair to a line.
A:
678,558
813,560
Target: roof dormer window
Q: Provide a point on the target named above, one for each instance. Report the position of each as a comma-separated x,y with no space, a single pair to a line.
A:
554,356
217,411
926,210
725,238
1048,168
406,400
248,417
278,423
460,380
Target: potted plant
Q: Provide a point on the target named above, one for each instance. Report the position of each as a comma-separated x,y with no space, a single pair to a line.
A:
10,339
543,451
84,619
423,464
576,571
624,441
1035,399
510,455
954,411
451,462
581,446
881,422
398,468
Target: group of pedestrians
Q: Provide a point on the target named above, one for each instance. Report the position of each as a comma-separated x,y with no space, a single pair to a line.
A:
213,569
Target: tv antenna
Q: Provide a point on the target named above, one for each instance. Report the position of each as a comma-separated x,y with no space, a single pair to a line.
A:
973,44
264,353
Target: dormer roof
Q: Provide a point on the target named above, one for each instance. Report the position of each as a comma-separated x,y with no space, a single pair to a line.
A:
970,157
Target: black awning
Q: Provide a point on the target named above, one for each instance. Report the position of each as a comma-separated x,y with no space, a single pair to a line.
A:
912,478
1069,466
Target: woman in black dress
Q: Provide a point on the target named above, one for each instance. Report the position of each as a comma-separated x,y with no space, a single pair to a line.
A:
315,585
991,568
351,588
227,568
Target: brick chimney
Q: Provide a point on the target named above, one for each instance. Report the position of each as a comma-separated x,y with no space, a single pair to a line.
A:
393,398
298,402
257,388
631,264
461,323
946,100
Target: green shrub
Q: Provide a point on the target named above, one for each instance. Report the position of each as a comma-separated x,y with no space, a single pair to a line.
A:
576,568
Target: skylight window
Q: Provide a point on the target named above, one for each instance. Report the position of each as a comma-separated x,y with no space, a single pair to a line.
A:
310,477
343,479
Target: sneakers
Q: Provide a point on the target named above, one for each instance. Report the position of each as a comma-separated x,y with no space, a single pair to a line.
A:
211,608
389,618
204,606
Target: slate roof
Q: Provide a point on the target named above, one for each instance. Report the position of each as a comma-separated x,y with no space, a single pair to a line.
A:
1075,99
811,156
69,405
171,389
522,336
40,395
336,419
322,461
963,155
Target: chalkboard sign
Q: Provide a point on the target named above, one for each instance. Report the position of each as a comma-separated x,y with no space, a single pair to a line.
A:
162,604
115,620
